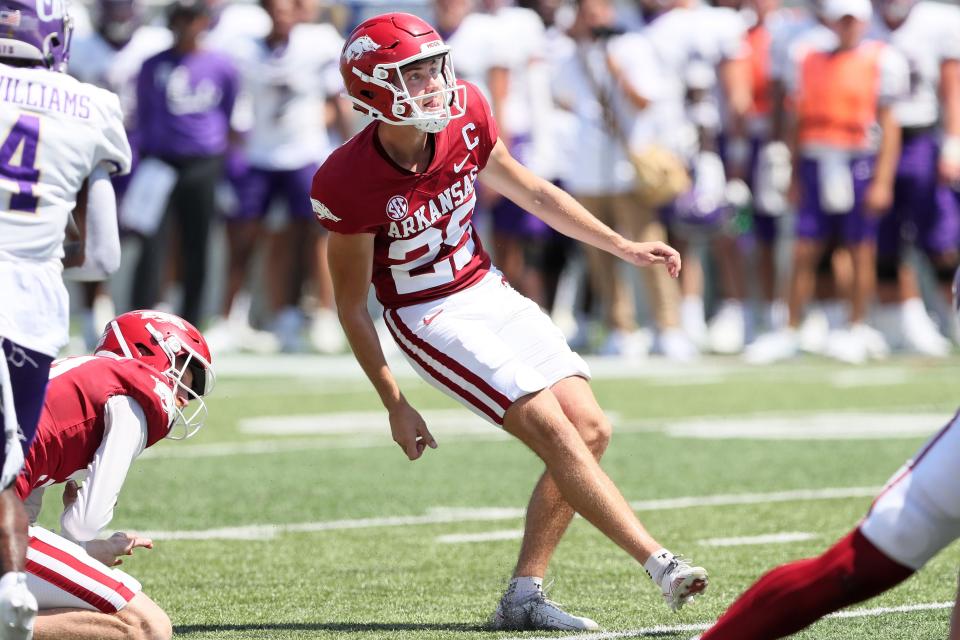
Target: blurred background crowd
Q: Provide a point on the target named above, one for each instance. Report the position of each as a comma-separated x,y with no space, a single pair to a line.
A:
805,159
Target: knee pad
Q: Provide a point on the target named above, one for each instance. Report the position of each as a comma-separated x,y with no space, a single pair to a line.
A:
888,269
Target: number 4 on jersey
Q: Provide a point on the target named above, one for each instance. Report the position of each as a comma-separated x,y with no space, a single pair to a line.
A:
23,137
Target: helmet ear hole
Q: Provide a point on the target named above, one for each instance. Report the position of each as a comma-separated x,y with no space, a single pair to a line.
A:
143,349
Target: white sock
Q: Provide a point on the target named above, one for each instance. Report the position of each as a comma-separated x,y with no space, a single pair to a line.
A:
11,578
523,588
657,564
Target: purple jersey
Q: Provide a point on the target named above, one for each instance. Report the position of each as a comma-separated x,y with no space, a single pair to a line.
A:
184,103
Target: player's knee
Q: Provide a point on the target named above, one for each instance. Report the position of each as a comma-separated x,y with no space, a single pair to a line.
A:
146,620
596,431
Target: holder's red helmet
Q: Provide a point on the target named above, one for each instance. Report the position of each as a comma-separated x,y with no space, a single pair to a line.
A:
370,65
160,339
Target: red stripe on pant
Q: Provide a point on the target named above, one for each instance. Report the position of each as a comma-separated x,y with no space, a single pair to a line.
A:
66,584
501,400
450,384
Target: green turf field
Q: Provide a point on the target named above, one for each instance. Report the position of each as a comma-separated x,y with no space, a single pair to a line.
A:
318,526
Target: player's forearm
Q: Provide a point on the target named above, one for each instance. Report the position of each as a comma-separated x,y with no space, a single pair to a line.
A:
561,211
889,153
362,336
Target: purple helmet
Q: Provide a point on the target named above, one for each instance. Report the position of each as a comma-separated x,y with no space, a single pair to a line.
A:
35,31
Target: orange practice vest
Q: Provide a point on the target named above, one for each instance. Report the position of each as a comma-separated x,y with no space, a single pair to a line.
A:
837,101
759,40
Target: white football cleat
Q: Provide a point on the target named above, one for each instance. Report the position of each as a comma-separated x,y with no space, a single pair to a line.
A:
326,335
681,582
18,609
537,614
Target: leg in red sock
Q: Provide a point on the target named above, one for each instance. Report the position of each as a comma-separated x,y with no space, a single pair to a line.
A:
795,595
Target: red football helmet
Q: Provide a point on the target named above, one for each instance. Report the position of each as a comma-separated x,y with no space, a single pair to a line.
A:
370,65
159,339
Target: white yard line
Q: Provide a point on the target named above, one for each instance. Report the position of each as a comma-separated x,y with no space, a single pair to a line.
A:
486,536
657,631
494,514
768,538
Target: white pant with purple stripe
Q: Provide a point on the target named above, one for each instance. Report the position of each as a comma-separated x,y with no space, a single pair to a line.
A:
918,512
60,574
485,346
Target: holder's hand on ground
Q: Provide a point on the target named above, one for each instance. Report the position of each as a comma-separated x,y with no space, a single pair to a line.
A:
119,544
645,254
410,431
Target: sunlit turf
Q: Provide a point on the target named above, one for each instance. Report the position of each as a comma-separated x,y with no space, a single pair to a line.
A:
399,582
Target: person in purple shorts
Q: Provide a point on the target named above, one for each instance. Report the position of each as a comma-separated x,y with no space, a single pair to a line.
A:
844,175
925,212
185,98
292,80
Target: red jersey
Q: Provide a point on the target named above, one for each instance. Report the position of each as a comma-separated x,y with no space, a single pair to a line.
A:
425,246
71,426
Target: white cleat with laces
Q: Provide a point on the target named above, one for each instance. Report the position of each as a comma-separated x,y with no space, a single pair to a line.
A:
537,613
682,582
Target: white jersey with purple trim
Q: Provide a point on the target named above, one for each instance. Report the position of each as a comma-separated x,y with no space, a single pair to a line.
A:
287,88
94,60
929,36
54,130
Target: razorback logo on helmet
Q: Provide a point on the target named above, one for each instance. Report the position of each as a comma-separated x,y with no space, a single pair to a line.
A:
356,49
162,316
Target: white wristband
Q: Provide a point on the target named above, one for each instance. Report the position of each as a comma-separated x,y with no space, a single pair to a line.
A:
950,151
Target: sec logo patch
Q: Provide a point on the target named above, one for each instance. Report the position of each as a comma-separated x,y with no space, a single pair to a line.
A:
397,208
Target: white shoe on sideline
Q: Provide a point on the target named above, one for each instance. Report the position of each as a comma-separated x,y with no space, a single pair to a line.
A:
537,613
18,610
674,344
326,335
727,330
627,344
814,330
287,327
682,582
773,347
920,332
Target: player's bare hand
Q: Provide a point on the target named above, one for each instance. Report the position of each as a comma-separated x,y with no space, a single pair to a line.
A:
119,544
878,199
949,173
644,254
70,491
410,431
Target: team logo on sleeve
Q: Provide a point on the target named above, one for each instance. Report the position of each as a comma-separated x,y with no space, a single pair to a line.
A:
358,47
322,211
397,208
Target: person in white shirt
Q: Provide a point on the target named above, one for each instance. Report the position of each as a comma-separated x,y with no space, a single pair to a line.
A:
925,212
290,80
621,70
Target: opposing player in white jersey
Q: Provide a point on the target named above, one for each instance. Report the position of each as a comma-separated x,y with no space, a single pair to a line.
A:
57,138
291,80
398,199
925,212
